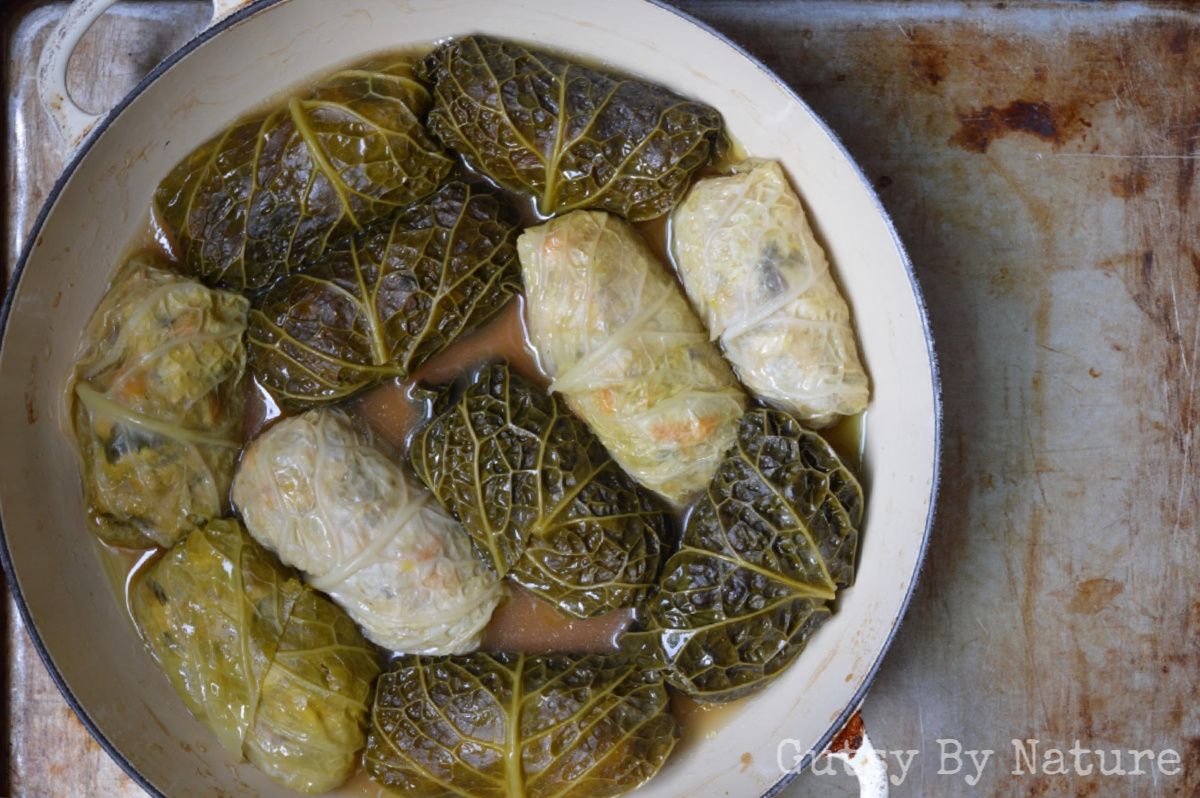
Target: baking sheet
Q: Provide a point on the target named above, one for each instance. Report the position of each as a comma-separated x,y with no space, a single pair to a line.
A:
1039,161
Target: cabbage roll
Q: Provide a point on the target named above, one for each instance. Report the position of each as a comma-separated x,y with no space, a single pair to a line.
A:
518,726
542,500
763,553
379,304
270,193
315,490
615,333
156,401
762,284
277,672
571,135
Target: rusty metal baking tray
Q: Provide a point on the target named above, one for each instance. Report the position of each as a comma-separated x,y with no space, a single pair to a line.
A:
1039,161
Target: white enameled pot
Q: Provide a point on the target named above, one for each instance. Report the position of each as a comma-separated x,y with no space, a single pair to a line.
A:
70,608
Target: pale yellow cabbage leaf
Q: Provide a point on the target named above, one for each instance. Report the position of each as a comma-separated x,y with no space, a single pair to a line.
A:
627,353
315,490
756,275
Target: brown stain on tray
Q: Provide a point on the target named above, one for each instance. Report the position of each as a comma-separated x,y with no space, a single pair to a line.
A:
1094,595
929,62
978,128
1129,185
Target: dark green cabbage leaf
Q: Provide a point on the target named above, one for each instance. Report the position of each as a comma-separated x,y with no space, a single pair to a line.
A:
543,501
573,136
276,671
518,726
156,399
763,552
270,193
381,302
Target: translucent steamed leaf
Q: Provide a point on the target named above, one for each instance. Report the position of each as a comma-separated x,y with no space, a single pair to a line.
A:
626,351
379,304
762,554
518,726
157,395
541,498
761,282
278,673
573,136
315,490
271,192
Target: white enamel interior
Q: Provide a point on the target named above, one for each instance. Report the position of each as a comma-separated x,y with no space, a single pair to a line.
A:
77,615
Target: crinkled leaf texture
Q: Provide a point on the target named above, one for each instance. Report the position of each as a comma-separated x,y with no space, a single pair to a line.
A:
762,554
157,396
383,301
627,353
761,282
543,501
518,726
573,136
315,489
270,193
278,673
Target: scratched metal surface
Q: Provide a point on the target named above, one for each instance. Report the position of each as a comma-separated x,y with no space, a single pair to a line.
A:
1039,162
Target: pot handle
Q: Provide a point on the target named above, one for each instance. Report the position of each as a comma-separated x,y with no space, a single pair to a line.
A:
74,123
854,747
